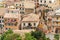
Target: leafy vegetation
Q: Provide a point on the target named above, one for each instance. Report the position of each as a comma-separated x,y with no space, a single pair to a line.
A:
9,35
28,36
34,35
39,35
56,36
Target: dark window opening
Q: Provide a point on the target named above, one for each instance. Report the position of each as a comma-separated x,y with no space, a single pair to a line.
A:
50,1
29,24
41,1
44,1
24,24
0,21
34,24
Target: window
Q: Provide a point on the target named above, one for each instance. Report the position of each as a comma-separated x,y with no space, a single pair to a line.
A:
15,0
0,21
8,24
57,18
22,12
14,20
6,28
7,11
15,24
29,24
41,1
12,11
3,25
0,16
20,4
21,0
16,4
22,8
5,19
24,24
0,25
45,1
16,7
34,24
50,1
56,22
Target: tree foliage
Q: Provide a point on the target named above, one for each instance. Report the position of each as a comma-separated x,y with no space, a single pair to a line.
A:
29,37
56,36
39,35
9,35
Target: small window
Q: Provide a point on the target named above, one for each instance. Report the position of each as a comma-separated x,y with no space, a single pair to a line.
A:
15,24
41,1
57,22
3,25
7,11
21,12
44,1
16,7
8,24
21,0
22,8
34,24
2,16
0,21
12,11
17,4
20,4
5,20
14,20
50,1
6,28
57,18
29,24
24,24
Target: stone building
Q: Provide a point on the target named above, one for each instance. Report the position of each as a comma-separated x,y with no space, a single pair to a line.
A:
30,22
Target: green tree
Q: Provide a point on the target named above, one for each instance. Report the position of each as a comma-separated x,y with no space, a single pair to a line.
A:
9,35
29,37
39,35
56,36
12,37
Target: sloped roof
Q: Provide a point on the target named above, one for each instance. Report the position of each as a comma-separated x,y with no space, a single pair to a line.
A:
31,17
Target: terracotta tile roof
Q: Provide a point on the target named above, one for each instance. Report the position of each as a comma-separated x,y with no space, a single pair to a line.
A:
31,17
